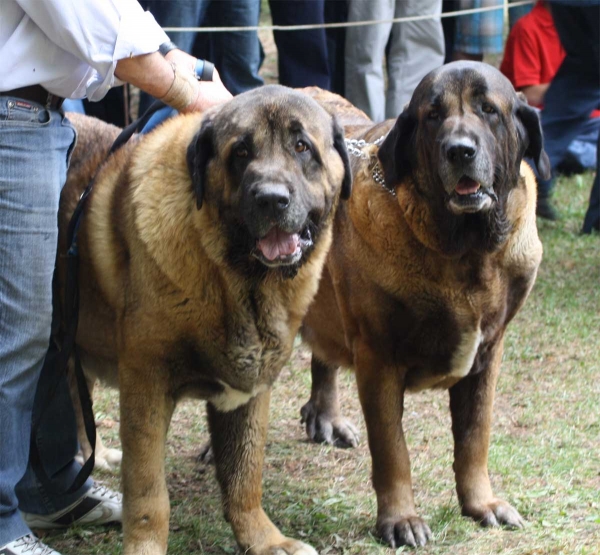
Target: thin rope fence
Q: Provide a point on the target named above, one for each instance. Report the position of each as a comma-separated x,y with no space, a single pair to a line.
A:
505,6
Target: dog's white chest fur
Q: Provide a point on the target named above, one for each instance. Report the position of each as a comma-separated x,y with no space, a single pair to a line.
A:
230,399
464,356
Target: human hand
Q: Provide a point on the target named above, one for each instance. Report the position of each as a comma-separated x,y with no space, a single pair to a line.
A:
208,93
182,59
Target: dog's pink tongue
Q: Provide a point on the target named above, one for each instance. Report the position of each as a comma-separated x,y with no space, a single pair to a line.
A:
467,186
277,244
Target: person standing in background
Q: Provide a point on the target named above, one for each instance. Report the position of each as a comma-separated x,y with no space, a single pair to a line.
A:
302,55
411,50
478,34
532,56
572,95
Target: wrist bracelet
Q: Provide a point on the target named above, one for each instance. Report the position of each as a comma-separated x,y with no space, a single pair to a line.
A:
204,70
183,90
166,47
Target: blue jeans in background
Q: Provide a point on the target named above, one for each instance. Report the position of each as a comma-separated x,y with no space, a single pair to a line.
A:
236,54
583,147
35,144
178,13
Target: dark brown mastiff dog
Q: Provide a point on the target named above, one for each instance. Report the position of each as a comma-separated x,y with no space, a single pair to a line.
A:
425,273
201,249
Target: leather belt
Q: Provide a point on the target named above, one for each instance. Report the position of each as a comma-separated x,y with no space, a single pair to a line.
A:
36,93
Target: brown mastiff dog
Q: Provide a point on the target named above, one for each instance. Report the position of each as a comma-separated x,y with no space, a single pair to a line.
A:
201,249
426,271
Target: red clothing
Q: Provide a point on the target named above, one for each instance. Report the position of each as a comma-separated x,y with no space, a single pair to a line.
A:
533,52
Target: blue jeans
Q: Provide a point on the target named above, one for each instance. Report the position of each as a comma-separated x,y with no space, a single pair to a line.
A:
236,54
35,145
583,147
177,13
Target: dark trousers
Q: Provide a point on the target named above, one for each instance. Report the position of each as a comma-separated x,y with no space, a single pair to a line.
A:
336,11
575,90
592,216
236,55
302,54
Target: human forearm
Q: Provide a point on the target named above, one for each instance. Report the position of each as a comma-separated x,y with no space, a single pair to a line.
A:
156,75
535,93
150,72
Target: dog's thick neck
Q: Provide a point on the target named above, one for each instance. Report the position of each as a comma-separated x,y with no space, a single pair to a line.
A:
449,234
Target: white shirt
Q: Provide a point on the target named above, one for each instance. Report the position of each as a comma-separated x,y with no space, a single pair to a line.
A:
71,47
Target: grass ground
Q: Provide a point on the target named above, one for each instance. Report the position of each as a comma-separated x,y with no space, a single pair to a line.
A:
545,446
543,459
544,455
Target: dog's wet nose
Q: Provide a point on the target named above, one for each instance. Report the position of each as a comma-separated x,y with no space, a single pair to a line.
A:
272,199
461,150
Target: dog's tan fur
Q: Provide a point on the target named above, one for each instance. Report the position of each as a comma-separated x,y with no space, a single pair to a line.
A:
415,296
172,307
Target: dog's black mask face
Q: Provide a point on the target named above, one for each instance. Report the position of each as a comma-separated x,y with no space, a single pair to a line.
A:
275,163
461,140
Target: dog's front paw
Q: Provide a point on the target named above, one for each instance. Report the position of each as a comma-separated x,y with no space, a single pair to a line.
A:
291,547
494,513
257,535
325,427
410,530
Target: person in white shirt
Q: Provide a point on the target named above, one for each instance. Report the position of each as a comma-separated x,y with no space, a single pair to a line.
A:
51,50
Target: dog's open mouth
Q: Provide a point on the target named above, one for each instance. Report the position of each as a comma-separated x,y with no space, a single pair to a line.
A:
469,196
280,248
467,186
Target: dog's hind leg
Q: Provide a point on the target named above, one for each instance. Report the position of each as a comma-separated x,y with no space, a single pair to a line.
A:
321,414
471,402
105,458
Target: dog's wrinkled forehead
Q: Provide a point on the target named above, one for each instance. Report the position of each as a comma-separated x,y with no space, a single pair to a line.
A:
272,109
453,83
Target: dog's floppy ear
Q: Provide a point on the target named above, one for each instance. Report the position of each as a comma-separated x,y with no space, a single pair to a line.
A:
340,145
199,153
534,139
394,153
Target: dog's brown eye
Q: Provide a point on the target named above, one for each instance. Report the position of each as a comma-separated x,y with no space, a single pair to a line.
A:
241,151
300,146
488,108
434,113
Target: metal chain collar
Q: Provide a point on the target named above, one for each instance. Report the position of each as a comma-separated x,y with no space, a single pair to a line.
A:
355,148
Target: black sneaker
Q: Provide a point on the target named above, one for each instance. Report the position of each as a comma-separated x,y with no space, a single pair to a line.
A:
545,209
98,506
570,165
